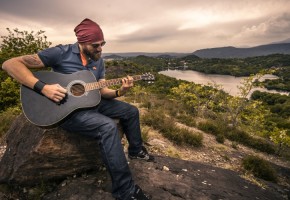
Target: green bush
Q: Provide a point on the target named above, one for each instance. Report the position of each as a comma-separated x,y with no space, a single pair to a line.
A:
9,94
6,119
260,168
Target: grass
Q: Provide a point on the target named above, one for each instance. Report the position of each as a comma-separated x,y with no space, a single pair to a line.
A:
222,132
166,125
163,113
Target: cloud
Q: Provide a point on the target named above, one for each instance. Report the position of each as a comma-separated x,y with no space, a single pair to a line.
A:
266,30
163,25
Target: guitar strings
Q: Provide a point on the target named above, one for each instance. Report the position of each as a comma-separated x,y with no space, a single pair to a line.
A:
102,84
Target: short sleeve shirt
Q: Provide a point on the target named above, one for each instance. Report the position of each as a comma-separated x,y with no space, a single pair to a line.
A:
66,59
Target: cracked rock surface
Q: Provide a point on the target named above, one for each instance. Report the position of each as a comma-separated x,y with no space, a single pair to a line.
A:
179,180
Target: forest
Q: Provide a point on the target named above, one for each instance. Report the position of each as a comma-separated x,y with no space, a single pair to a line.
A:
261,122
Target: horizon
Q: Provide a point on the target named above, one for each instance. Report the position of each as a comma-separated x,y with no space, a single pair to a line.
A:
287,41
156,26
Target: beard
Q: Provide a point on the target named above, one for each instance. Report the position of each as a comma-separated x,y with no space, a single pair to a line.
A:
93,54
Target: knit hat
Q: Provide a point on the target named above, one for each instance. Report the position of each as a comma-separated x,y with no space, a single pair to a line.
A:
88,31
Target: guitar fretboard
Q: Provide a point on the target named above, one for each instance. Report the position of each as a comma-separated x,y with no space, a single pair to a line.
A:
102,84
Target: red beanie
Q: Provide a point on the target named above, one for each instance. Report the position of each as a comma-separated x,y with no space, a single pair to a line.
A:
88,31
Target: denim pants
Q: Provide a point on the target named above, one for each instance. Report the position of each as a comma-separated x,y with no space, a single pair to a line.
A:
97,122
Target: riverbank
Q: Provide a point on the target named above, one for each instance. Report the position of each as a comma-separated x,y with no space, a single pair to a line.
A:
228,83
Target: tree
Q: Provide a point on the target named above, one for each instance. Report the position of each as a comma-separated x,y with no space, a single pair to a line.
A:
280,137
242,110
9,94
201,100
17,43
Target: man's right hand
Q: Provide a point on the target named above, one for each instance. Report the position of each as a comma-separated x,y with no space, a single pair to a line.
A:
54,92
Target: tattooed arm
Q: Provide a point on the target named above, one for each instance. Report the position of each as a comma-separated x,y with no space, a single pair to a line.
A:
18,68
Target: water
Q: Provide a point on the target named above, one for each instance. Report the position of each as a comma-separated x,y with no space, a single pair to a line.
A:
229,83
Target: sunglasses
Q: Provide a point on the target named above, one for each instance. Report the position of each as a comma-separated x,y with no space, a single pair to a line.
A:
95,46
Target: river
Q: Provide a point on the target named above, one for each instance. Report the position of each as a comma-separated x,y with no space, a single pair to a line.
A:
229,83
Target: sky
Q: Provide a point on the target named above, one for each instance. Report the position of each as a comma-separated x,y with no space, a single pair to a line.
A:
154,25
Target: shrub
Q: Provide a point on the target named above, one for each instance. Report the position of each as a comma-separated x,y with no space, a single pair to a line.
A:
209,127
187,137
220,138
186,119
238,136
245,139
194,139
260,168
153,119
262,145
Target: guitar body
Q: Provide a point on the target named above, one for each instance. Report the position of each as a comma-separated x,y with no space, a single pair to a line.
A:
42,111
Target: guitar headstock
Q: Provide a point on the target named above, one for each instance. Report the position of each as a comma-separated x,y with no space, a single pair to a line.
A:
148,77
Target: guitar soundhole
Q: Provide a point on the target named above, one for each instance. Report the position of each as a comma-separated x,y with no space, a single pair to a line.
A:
77,89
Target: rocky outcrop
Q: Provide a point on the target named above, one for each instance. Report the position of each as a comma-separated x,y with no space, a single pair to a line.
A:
35,154
170,179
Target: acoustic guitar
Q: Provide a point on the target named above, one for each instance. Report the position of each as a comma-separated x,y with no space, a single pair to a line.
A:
83,92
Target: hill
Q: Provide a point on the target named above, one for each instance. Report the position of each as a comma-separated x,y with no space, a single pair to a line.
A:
280,47
233,52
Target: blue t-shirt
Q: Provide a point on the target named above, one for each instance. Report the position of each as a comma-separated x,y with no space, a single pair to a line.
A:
66,59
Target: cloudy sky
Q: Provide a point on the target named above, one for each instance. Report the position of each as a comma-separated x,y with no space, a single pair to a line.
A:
155,25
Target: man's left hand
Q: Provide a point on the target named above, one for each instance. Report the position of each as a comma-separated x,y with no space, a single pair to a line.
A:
127,83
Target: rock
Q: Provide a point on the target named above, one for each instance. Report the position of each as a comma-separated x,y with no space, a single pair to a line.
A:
199,182
35,154
164,168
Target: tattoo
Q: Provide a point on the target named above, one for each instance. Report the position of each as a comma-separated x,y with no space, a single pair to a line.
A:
31,60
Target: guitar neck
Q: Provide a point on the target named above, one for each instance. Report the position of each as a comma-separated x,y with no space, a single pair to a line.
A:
107,83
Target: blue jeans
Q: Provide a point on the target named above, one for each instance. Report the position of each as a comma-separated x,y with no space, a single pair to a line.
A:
97,122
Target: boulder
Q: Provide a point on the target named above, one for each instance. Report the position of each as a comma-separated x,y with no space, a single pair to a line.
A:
35,154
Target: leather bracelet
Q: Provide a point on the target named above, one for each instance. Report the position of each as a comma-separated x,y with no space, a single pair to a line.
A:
118,93
38,86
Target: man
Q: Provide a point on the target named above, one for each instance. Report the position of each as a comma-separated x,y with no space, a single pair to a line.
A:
95,122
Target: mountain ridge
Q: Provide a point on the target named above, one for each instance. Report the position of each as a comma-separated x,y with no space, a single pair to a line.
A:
282,47
235,52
